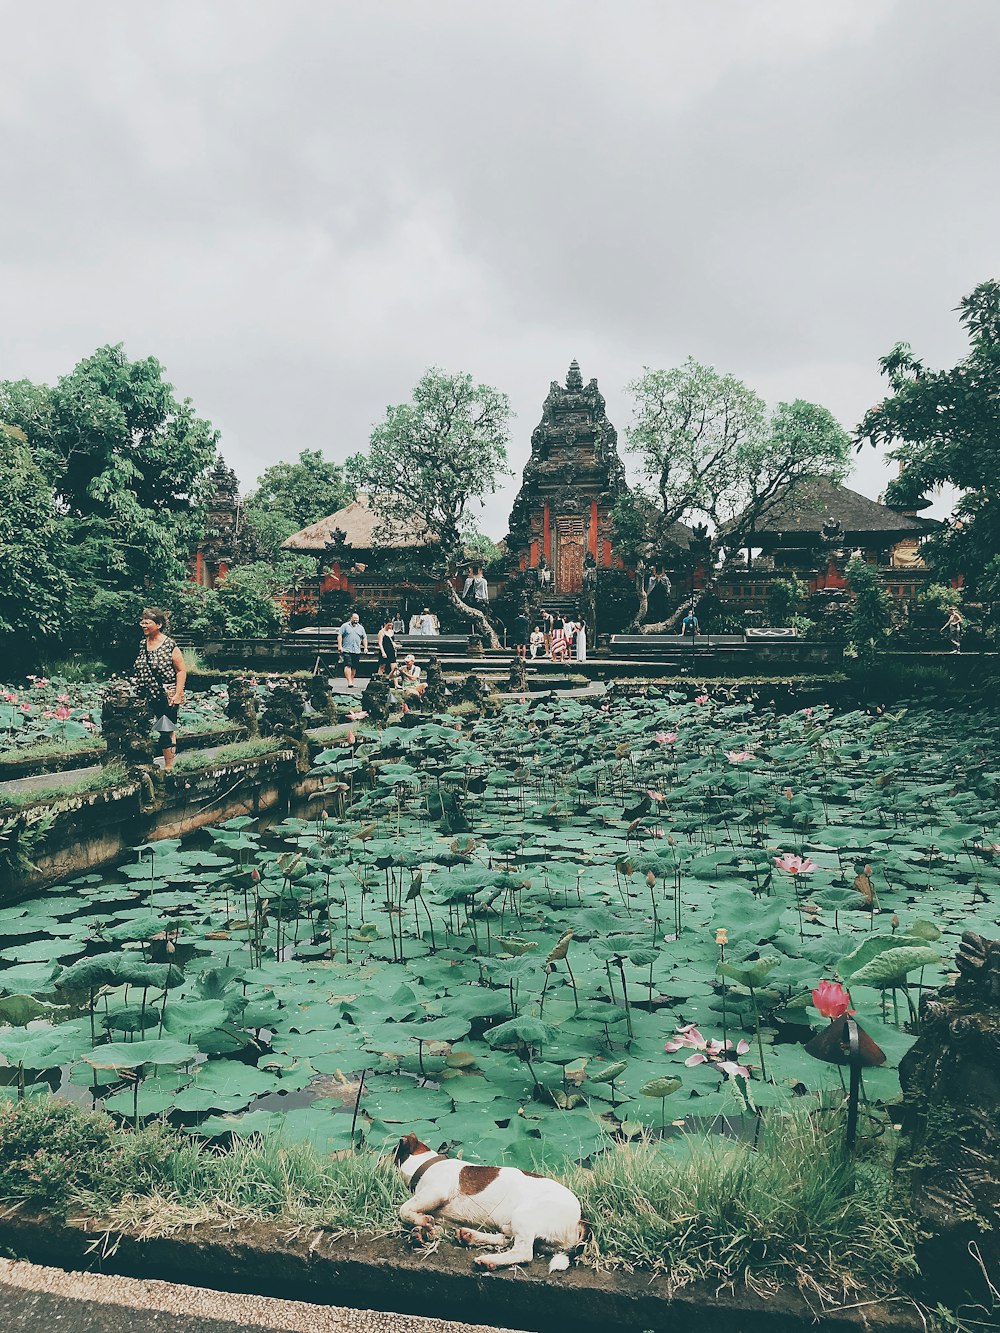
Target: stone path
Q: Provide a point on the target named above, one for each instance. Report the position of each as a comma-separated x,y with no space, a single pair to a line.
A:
39,1300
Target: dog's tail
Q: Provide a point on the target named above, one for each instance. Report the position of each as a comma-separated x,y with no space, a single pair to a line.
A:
560,1262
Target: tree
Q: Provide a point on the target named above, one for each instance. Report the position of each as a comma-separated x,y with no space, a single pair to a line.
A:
244,605
33,586
290,496
430,460
710,455
945,426
871,615
126,461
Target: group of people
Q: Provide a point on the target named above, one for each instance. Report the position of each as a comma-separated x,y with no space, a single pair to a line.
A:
352,642
557,637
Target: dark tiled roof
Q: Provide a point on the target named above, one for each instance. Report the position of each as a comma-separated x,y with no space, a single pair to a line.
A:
807,505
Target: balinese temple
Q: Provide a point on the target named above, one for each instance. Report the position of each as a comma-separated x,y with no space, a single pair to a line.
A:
357,558
562,513
798,527
218,547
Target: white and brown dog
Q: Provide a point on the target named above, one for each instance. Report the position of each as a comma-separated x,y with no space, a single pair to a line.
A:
518,1205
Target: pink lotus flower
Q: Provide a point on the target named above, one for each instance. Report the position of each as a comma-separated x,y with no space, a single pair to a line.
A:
62,713
701,698
351,738
356,716
831,1000
807,712
686,1036
10,698
25,708
655,795
40,682
795,865
62,698
665,737
739,756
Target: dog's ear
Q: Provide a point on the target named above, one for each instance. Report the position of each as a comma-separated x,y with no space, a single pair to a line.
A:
407,1147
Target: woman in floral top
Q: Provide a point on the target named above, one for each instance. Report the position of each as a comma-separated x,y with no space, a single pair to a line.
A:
160,675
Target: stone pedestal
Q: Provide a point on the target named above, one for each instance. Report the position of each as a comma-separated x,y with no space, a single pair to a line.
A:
951,1119
283,716
242,705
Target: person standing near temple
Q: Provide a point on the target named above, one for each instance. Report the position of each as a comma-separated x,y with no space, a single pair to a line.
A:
386,645
522,631
352,641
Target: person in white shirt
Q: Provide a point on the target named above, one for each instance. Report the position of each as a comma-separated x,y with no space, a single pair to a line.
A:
536,643
428,624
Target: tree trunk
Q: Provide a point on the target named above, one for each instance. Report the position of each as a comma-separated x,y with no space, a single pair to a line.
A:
478,618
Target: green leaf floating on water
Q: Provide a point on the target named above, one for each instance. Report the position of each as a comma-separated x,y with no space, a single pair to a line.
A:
525,1029
891,967
132,1054
748,974
610,1072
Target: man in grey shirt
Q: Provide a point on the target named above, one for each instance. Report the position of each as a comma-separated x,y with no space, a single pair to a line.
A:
352,641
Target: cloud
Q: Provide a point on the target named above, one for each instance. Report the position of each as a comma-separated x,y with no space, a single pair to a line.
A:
298,208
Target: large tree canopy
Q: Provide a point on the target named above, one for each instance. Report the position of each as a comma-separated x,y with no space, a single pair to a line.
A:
945,429
711,455
432,459
290,496
125,460
33,586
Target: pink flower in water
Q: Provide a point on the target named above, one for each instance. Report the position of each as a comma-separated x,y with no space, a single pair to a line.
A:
655,795
666,738
708,1050
351,738
9,698
831,1000
701,698
739,756
686,1036
807,712
40,682
356,716
795,865
62,713
62,698
91,726
25,708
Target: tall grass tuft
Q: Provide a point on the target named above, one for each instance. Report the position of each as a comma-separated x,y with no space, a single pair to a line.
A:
794,1210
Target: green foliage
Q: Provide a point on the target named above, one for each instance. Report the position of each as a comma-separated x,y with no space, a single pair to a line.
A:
871,616
290,496
124,460
709,452
244,605
51,1152
945,426
784,599
33,586
434,456
794,1209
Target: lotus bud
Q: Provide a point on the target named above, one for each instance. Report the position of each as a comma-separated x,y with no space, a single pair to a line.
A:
788,793
721,937
255,875
895,921
650,878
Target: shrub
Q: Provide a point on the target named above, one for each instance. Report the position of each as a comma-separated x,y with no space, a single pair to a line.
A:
50,1151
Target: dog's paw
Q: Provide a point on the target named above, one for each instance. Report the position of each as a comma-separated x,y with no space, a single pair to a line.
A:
484,1261
464,1236
422,1235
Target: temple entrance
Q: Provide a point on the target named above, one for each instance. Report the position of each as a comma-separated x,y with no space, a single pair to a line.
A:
570,544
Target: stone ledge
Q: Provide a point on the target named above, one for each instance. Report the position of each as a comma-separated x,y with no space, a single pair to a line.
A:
384,1274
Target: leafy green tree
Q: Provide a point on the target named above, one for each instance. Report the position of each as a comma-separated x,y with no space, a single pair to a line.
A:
244,605
871,616
710,455
33,586
431,460
290,496
126,461
945,429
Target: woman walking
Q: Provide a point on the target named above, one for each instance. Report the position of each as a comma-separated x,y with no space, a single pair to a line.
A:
160,676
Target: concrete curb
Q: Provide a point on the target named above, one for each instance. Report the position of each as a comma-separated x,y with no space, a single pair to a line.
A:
383,1274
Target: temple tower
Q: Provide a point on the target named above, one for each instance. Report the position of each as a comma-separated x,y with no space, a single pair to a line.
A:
562,513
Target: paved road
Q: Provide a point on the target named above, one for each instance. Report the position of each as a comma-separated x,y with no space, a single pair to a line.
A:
48,1300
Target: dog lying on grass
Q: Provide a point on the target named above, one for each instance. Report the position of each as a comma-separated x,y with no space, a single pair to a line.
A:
518,1205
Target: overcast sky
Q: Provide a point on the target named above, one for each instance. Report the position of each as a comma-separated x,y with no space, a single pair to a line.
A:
299,206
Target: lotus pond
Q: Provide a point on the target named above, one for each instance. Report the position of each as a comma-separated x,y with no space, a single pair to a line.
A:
495,931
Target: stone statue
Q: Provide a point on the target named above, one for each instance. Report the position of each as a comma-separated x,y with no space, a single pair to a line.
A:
283,716
435,696
377,699
242,705
951,1095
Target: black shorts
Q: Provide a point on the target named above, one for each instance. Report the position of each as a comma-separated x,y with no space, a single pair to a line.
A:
352,660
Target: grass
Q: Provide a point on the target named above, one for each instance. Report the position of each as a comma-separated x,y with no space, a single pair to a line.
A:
794,1211
194,760
52,749
112,775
